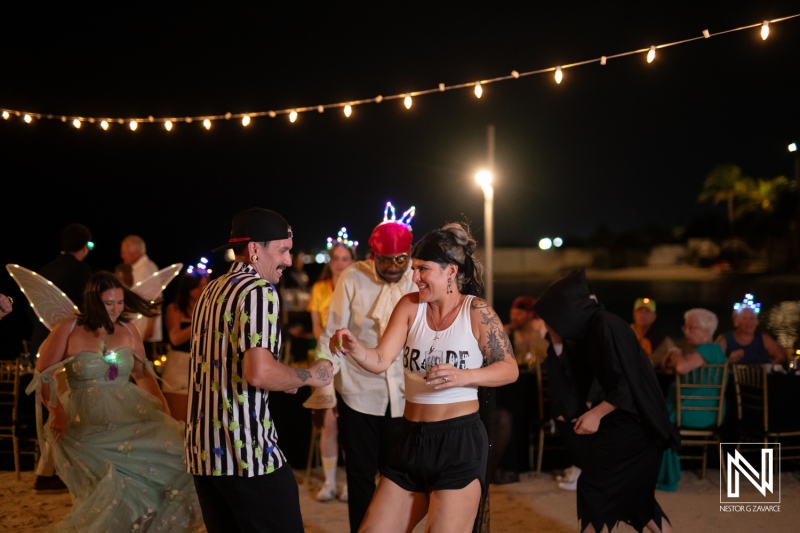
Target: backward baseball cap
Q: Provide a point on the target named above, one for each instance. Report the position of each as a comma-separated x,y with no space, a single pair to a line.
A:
258,225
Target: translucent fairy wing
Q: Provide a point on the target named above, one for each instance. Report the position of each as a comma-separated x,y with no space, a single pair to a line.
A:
150,287
49,302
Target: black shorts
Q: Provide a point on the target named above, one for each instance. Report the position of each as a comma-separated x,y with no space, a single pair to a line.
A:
444,455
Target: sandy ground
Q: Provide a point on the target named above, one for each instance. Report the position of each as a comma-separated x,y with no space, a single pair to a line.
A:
535,505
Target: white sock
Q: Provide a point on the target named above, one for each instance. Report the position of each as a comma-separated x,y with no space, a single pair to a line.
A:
329,466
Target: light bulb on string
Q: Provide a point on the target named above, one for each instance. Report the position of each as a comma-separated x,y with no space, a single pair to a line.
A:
77,124
292,116
207,124
104,125
27,118
6,115
407,101
478,90
765,30
651,55
246,120
133,125
168,125
559,75
348,110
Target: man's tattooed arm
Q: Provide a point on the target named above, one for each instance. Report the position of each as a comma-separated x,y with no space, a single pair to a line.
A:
302,374
323,372
497,343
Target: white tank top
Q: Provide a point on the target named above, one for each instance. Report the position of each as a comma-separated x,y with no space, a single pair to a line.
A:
458,347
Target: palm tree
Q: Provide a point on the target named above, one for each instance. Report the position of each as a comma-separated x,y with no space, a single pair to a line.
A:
725,184
762,195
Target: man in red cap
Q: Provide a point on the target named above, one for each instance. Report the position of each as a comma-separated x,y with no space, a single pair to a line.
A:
370,405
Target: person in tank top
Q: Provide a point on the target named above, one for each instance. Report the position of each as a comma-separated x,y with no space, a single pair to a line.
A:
451,342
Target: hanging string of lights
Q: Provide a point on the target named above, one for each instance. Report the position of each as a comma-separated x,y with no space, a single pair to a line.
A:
347,107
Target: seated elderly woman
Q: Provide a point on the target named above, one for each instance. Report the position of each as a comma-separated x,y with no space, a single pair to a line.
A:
698,328
744,345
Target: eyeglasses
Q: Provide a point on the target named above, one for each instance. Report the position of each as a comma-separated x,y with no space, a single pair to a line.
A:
399,260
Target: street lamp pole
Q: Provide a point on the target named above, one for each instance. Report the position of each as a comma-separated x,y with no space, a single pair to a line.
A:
795,225
484,179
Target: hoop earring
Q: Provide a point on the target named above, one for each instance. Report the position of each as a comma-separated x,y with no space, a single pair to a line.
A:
449,285
253,258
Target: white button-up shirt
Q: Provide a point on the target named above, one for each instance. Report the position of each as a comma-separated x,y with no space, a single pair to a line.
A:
141,270
363,302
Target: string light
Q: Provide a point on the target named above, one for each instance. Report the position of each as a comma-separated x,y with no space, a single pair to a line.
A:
207,124
559,75
247,117
77,124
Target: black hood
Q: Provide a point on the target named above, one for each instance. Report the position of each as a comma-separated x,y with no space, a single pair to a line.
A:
567,306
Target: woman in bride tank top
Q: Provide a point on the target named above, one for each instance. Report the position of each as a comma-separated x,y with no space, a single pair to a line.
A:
450,342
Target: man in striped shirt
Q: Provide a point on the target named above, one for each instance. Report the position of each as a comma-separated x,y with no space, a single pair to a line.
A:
242,478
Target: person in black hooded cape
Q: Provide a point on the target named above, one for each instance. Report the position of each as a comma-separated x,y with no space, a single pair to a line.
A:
631,424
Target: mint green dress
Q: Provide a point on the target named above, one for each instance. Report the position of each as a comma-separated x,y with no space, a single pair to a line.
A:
670,473
122,457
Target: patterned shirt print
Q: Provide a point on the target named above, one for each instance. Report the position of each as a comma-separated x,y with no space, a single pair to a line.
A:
229,428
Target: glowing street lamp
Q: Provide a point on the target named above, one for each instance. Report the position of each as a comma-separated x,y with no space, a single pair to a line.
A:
484,179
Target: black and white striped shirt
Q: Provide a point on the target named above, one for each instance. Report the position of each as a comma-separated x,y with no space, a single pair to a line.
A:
229,428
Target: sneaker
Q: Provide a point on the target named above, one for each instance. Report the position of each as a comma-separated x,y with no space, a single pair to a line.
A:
326,493
343,493
570,474
568,485
49,485
571,482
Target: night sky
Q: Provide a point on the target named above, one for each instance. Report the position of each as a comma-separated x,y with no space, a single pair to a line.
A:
624,145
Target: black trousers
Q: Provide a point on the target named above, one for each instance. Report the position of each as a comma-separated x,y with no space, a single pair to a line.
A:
268,503
366,441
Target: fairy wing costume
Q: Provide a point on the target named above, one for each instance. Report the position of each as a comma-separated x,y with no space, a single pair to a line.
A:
121,457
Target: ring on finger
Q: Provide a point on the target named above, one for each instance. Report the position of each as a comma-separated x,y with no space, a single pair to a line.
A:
445,379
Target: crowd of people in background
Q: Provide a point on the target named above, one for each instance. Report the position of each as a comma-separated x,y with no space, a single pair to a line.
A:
401,343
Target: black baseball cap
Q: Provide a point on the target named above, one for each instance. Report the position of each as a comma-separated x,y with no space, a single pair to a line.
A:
258,225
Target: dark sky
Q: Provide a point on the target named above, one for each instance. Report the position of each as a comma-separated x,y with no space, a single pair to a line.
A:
623,144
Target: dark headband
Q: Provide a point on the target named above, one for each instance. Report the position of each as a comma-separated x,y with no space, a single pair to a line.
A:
430,250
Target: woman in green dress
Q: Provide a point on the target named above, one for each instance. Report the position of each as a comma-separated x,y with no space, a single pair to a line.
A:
699,326
115,445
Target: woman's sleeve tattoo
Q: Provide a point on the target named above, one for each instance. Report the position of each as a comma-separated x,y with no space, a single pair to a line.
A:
497,343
